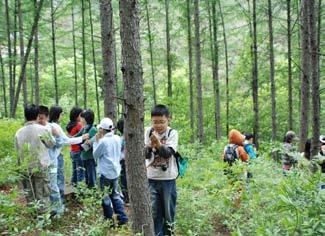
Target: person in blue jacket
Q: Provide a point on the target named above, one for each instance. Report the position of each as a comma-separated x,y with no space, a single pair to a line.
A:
248,146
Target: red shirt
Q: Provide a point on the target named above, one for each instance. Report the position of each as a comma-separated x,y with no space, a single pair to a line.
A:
75,130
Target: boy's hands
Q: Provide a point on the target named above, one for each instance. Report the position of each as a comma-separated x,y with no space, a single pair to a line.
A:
155,143
85,136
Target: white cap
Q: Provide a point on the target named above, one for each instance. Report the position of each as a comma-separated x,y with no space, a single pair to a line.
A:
322,139
106,123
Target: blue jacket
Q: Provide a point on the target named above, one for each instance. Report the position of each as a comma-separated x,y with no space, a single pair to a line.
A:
250,150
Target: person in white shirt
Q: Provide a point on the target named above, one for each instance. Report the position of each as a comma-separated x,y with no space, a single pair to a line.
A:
107,153
33,152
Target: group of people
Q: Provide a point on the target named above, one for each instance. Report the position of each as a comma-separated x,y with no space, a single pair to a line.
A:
96,152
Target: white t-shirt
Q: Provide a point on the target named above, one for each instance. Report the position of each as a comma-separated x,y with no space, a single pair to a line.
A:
157,173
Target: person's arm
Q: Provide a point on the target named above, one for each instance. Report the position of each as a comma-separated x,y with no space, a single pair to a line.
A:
250,151
98,148
70,141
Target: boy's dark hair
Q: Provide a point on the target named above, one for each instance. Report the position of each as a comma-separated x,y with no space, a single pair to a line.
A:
31,112
160,110
55,112
89,116
74,113
43,110
120,125
248,136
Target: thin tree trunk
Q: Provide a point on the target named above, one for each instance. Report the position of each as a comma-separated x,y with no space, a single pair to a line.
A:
108,52
2,74
290,105
28,49
190,68
151,54
134,116
314,77
227,66
255,80
31,82
198,71
21,45
305,75
11,82
272,81
216,71
14,56
94,61
84,72
36,63
169,69
54,56
74,57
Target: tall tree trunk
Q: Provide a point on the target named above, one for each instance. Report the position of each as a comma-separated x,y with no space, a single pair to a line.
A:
290,105
94,61
227,65
11,82
272,81
2,75
169,68
198,70
28,49
151,54
255,80
14,55
84,72
21,46
108,54
305,75
216,71
36,63
190,68
314,77
54,55
134,116
74,56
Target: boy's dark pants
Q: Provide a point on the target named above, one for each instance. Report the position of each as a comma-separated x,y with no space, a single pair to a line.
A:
163,201
124,186
90,172
113,199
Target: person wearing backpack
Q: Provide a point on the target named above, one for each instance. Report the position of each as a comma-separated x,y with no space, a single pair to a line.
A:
235,150
161,145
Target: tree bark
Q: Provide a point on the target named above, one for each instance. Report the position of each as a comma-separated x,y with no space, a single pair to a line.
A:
305,75
84,71
198,71
216,71
2,75
272,81
14,55
108,54
227,65
314,77
54,56
290,105
28,49
36,64
21,46
169,69
134,117
74,56
190,68
151,54
94,61
11,81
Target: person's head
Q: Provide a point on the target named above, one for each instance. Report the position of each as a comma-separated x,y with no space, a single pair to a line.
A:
43,115
75,114
290,137
322,143
249,137
120,125
160,118
87,117
106,125
55,113
31,112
